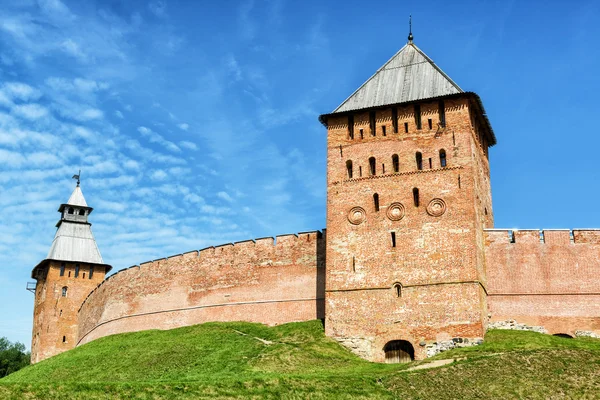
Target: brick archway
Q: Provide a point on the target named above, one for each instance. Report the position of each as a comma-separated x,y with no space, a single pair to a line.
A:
399,351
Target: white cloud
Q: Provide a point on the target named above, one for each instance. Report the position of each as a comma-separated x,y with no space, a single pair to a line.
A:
183,126
69,46
89,114
30,111
21,91
76,85
188,145
119,114
225,196
154,137
158,175
158,8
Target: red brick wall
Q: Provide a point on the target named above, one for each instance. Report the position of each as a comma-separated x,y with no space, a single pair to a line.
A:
553,283
256,281
437,259
55,316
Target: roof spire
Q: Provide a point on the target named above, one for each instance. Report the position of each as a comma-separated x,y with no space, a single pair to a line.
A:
410,35
77,177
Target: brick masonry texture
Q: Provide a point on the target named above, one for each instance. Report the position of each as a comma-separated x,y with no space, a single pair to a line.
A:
432,273
257,281
545,278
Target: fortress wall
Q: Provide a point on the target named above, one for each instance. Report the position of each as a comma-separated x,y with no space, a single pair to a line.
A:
547,278
271,281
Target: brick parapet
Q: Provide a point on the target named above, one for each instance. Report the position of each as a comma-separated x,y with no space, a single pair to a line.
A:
267,280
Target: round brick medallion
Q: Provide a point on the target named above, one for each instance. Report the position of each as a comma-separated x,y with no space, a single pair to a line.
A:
357,215
436,207
395,211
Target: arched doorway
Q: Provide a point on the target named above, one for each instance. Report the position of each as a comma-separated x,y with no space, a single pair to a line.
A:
398,351
563,335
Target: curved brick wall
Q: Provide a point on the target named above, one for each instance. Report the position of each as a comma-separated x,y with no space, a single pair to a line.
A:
256,281
550,280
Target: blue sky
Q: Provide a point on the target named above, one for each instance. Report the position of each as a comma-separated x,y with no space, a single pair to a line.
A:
195,123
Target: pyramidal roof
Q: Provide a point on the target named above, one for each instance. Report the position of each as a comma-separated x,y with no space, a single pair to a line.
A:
77,198
408,76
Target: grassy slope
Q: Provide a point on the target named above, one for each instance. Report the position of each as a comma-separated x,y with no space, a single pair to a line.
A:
226,360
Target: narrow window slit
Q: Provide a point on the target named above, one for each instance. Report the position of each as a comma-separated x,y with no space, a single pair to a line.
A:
360,171
393,239
395,119
430,164
442,158
406,127
430,123
372,166
361,134
416,197
383,168
442,113
383,130
396,163
419,159
372,123
376,201
351,127
418,115
349,168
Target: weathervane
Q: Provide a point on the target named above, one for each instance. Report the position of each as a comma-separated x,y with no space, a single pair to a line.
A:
77,177
410,35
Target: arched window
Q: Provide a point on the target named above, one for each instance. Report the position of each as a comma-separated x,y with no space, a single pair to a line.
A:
399,351
419,158
397,289
443,158
372,165
82,212
64,291
396,163
416,196
349,168
71,211
376,201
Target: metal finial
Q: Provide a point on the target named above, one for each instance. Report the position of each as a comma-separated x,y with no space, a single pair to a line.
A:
78,177
410,35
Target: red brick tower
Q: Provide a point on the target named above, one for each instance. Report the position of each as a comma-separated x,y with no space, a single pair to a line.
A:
72,269
408,197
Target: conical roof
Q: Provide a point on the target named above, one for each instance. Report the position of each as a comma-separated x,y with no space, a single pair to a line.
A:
408,76
77,198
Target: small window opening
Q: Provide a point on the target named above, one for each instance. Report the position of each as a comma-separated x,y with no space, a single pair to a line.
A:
393,239
406,127
76,270
62,269
442,113
396,163
397,289
571,237
485,210
361,134
60,314
459,181
511,236
442,158
83,276
383,132
351,127
372,125
418,115
419,159
395,119
82,212
341,151
71,211
349,168
383,168
430,123
353,264
360,171
376,201
453,139
69,274
542,238
372,165
416,197
64,291
430,164
64,339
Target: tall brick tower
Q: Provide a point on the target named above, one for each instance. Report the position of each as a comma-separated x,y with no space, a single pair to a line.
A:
72,269
408,197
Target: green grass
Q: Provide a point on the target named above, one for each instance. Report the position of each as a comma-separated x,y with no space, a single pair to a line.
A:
296,361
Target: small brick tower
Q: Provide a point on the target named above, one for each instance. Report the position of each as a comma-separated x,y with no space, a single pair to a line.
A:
72,269
408,197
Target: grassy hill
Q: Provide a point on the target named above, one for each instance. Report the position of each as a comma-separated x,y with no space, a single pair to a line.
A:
297,361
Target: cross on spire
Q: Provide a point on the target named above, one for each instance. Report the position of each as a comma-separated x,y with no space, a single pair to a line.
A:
410,35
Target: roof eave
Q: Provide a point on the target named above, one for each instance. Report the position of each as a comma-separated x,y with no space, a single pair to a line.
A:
492,137
47,260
